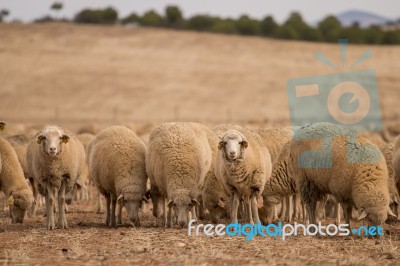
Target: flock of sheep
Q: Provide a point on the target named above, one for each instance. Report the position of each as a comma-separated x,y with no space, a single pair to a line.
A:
190,171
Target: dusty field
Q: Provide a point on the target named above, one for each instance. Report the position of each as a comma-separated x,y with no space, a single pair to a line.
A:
83,75
79,74
88,240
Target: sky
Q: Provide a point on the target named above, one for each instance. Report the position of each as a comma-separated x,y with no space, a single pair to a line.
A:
312,10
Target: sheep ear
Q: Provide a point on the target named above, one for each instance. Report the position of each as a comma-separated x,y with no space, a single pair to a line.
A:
64,138
396,200
221,145
195,202
10,201
221,203
362,215
79,183
170,203
2,125
40,138
244,143
144,198
120,197
147,194
391,213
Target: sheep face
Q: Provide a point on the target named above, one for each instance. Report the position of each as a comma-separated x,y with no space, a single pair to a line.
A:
19,202
376,216
51,140
216,210
182,205
232,145
132,207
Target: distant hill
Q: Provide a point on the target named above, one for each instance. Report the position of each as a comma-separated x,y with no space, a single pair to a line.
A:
365,19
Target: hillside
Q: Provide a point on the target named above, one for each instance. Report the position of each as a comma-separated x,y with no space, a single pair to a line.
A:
80,74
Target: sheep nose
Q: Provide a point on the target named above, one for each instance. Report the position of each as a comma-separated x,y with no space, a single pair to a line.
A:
232,153
182,223
52,148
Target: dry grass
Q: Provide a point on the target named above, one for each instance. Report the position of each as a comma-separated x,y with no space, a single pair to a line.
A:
86,74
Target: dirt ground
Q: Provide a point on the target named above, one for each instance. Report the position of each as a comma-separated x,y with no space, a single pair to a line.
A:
86,75
89,241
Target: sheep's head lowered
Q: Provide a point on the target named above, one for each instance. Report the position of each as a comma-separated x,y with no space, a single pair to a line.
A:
182,203
132,203
51,138
2,125
232,145
19,202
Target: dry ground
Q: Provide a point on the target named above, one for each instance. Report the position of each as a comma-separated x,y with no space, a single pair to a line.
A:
89,241
83,75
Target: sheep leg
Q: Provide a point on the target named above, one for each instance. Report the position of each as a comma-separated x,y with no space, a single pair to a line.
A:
296,212
254,208
169,217
108,204
119,214
283,209
289,208
62,221
194,214
274,213
235,207
347,210
311,209
99,204
337,213
35,196
113,206
248,213
50,207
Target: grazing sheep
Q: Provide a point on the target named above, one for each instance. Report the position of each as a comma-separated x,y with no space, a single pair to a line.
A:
394,186
243,165
12,182
116,161
396,169
326,158
55,158
178,160
20,144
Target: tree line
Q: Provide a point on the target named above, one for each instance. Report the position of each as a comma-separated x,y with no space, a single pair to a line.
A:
294,28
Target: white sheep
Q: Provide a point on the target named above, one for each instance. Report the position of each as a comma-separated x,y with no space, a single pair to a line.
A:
178,159
243,165
116,162
82,189
55,159
12,182
395,167
326,158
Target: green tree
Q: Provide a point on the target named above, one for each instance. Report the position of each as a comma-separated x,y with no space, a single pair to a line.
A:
173,16
4,13
56,7
225,26
391,37
131,19
268,26
296,24
200,23
247,26
152,19
330,29
373,35
286,32
97,16
353,33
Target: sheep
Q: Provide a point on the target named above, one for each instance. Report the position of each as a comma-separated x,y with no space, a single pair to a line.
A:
20,144
179,157
2,125
116,162
243,165
394,187
13,184
395,165
326,158
81,190
55,158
